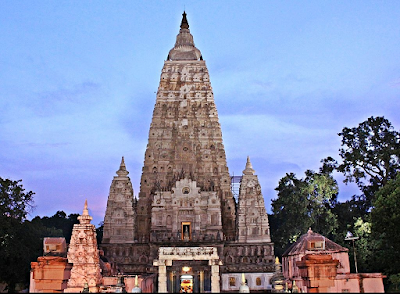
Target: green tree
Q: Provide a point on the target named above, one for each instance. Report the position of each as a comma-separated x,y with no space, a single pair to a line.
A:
371,155
21,241
322,191
14,202
348,213
303,203
395,282
14,207
99,232
363,246
289,212
61,222
385,229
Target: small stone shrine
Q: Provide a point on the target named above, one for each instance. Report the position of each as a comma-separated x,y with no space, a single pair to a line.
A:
316,264
84,256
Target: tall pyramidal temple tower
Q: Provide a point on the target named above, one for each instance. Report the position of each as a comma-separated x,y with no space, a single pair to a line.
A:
185,228
185,139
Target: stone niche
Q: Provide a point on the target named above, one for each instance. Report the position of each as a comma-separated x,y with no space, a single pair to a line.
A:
186,214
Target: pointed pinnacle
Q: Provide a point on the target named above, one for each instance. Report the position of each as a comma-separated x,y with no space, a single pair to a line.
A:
249,168
85,218
85,209
122,165
184,23
248,163
122,172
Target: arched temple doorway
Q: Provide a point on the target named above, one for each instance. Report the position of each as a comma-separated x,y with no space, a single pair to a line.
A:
188,269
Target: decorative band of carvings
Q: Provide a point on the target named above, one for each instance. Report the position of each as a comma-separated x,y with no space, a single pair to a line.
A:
206,252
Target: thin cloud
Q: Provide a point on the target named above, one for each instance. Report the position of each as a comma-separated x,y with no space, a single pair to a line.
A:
395,83
64,99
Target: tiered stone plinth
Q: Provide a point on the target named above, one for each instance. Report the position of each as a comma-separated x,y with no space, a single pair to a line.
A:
49,274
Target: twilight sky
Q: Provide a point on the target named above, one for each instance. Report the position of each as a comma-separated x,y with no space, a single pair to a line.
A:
78,82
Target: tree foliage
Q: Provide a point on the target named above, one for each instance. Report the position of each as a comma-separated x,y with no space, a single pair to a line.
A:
364,246
385,229
14,202
99,232
59,221
348,213
303,203
370,154
14,207
289,212
21,241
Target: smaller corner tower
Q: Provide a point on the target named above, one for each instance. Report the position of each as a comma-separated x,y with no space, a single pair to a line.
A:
84,256
252,220
119,220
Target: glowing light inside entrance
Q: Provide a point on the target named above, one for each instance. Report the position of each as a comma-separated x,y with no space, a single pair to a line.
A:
185,269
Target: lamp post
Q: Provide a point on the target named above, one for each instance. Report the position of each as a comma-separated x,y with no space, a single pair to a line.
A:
350,237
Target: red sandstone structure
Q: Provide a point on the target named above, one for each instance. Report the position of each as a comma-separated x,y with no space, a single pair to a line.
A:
51,272
316,264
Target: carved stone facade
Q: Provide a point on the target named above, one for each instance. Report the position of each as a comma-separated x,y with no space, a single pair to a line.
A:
186,213
185,139
252,219
185,197
84,256
120,217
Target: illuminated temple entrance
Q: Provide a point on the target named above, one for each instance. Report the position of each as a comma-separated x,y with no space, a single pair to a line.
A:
188,269
186,284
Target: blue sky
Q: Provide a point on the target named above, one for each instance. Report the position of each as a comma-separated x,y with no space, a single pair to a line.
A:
78,82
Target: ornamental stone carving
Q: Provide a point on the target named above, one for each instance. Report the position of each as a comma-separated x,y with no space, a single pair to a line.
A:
252,220
119,221
84,255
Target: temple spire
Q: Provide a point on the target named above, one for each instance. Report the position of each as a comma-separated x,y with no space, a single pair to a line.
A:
122,165
85,209
122,172
85,218
184,48
249,168
184,23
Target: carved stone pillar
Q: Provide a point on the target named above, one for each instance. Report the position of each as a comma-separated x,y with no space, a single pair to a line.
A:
201,281
162,275
173,282
162,279
215,287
